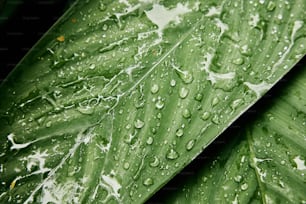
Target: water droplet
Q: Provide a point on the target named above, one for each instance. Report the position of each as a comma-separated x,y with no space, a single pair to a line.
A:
244,186
150,140
126,165
105,27
238,178
139,124
179,132
153,130
271,6
48,124
184,92
198,97
236,103
215,101
85,109
172,154
187,77
186,113
148,182
92,66
245,50
155,162
172,83
102,6
238,61
205,115
159,104
154,88
128,126
159,115
215,119
190,145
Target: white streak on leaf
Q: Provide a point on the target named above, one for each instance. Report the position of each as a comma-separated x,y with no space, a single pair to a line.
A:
161,16
259,89
300,163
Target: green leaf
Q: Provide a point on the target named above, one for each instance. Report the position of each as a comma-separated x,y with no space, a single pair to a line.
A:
263,162
113,101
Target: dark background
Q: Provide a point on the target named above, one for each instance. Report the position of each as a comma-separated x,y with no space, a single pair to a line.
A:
22,24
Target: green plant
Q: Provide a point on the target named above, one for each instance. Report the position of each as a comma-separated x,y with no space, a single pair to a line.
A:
113,101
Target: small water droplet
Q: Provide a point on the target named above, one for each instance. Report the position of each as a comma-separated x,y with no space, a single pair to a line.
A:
154,88
187,77
159,104
148,182
184,92
172,83
102,6
236,103
105,27
92,66
205,115
159,115
215,101
126,165
172,154
155,162
271,6
179,132
245,50
238,178
139,124
48,124
85,110
153,130
186,113
198,97
190,145
215,119
128,126
244,186
150,140
238,61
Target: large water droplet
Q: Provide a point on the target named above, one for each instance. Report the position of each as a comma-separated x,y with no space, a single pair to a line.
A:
186,113
190,145
148,182
154,88
139,124
179,132
172,154
184,92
